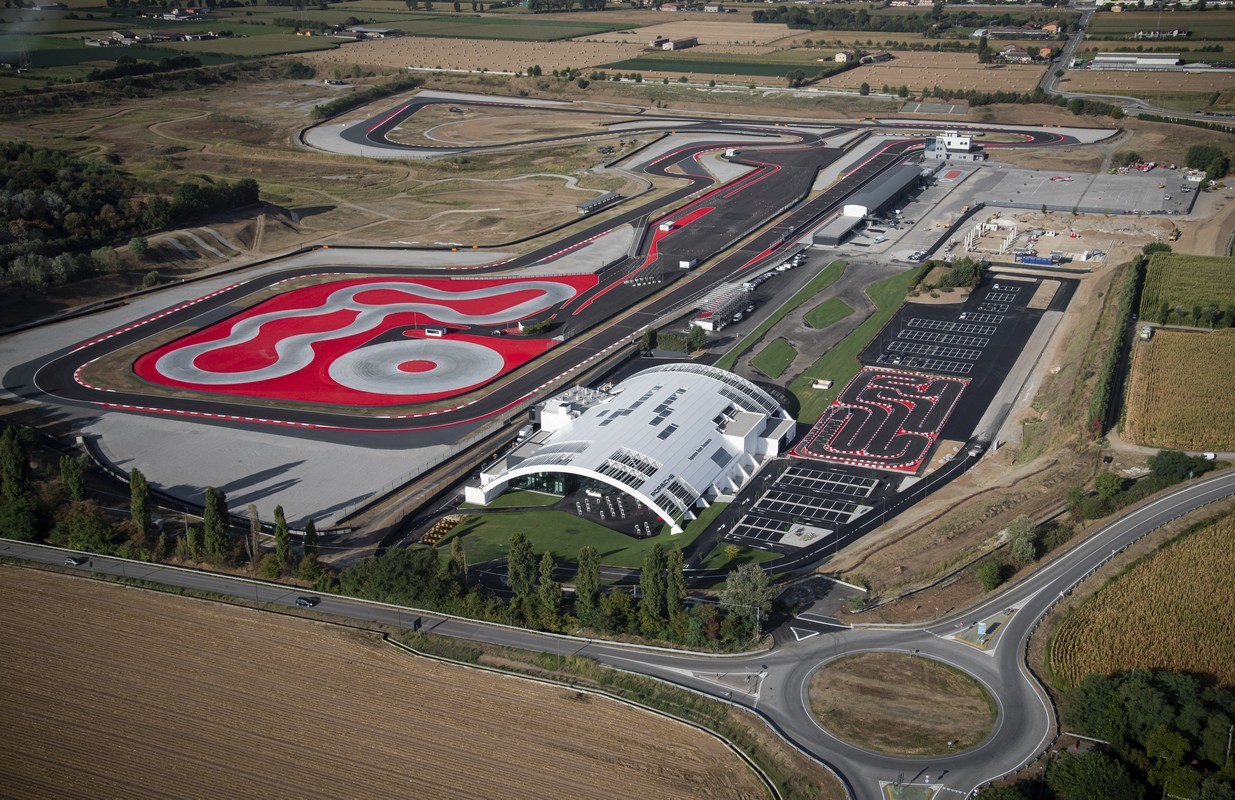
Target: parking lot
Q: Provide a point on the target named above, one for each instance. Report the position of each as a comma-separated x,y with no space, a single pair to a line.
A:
806,504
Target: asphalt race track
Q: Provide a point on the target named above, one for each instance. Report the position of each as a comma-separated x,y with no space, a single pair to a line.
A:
781,675
883,419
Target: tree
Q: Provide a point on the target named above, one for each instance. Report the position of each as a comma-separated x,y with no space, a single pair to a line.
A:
19,519
1091,776
139,502
282,540
550,594
84,527
1200,156
14,465
616,612
675,585
864,89
215,522
73,476
456,568
139,247
1023,540
1108,484
903,91
310,539
652,591
150,279
988,573
1001,792
747,598
696,339
587,584
253,544
521,566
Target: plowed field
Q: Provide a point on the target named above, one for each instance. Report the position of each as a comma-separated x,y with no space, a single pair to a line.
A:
111,692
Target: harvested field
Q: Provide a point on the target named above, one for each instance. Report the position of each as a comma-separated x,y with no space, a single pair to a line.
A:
924,71
1212,24
1176,397
901,704
1182,282
1147,84
1171,611
474,54
233,702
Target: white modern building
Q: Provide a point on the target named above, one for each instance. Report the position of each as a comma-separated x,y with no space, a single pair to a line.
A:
675,438
953,146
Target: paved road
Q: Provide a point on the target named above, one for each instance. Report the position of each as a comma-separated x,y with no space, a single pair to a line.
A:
778,679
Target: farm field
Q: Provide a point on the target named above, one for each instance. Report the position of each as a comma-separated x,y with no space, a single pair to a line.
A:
774,359
728,65
901,704
709,32
925,70
1183,91
1176,397
1207,25
1170,611
252,47
475,54
236,702
1183,281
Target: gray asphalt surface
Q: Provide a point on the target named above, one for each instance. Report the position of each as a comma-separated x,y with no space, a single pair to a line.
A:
781,676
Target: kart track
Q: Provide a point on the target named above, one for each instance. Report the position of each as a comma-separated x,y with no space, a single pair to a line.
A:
883,419
298,359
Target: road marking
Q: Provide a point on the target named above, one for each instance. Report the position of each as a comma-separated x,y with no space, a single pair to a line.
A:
801,635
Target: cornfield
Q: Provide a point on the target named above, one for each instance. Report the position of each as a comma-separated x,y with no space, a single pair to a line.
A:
1181,392
1186,281
1171,611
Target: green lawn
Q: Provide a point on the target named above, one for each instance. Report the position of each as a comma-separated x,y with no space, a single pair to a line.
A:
840,363
719,559
774,359
828,312
826,277
487,536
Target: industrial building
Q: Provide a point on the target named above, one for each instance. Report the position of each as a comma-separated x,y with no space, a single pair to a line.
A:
675,438
1134,61
877,196
834,231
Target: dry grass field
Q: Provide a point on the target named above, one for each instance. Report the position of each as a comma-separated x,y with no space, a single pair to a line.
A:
474,54
1176,397
113,692
480,125
1116,82
1171,611
901,704
925,70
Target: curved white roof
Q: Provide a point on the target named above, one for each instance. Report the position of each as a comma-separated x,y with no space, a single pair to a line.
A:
667,435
